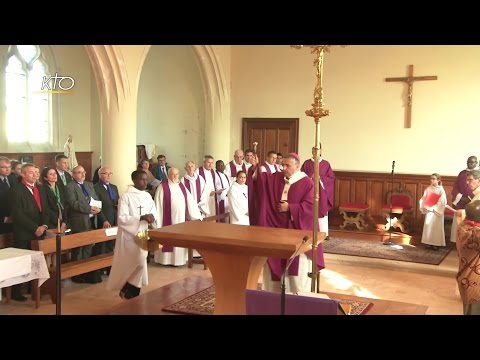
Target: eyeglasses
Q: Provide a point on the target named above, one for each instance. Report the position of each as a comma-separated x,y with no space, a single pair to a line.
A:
104,173
5,167
79,172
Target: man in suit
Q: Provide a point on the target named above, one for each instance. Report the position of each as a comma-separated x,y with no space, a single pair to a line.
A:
81,216
161,170
29,213
108,195
7,181
64,177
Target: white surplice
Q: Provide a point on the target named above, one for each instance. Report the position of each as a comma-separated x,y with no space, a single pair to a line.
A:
129,260
238,201
204,193
222,182
210,186
238,167
178,256
433,230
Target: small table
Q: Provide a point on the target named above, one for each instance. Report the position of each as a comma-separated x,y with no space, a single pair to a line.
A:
354,214
19,265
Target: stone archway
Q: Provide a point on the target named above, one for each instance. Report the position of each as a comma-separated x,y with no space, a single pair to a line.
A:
117,70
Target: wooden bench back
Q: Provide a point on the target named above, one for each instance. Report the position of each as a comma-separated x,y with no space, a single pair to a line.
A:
48,245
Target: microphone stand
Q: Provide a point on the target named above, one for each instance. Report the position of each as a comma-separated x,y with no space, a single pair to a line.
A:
284,275
390,242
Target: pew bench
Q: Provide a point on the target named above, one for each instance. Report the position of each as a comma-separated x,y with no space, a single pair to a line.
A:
73,268
190,259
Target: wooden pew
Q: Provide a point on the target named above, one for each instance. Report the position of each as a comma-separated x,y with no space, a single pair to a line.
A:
190,259
73,268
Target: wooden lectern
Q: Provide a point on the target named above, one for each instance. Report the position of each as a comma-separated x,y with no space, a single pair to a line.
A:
235,254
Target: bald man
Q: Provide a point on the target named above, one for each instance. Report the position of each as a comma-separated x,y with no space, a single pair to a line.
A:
175,204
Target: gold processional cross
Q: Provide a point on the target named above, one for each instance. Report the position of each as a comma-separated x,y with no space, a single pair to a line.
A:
409,80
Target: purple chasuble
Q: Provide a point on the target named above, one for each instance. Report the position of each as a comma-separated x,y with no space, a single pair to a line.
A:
167,209
300,200
325,202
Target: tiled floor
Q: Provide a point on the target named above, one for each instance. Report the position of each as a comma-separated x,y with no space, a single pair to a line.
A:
431,285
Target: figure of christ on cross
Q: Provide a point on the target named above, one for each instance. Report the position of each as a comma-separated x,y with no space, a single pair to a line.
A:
409,80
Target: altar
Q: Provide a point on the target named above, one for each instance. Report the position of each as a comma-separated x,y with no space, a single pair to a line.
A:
235,254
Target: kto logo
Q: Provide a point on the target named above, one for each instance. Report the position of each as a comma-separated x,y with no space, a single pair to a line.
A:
58,84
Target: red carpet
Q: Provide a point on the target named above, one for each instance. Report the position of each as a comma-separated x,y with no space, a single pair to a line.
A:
203,303
376,249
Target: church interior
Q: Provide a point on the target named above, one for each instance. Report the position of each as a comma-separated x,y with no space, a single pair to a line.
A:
384,135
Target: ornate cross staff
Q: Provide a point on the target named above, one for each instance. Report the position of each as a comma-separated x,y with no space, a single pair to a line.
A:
317,112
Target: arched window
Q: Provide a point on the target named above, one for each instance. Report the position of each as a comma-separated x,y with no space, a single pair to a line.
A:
28,109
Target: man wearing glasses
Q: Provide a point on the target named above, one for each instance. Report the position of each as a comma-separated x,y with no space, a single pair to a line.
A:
108,195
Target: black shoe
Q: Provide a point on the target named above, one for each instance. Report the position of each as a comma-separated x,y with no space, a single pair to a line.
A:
78,279
93,278
327,237
20,298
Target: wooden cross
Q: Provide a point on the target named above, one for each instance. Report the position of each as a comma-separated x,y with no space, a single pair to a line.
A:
409,80
140,209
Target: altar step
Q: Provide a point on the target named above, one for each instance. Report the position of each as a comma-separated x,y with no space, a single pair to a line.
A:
152,302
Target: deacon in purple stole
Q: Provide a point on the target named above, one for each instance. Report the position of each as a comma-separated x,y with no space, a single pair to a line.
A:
285,200
175,204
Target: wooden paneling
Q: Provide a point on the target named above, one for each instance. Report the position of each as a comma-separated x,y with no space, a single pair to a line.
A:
371,188
84,158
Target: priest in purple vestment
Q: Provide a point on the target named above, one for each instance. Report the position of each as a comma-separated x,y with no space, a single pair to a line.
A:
285,200
327,183
462,193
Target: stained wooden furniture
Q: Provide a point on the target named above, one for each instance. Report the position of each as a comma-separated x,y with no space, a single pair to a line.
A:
354,214
42,159
409,80
190,259
235,254
6,240
73,268
371,188
398,205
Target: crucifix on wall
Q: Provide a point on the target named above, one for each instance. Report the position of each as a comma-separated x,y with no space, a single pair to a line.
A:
409,80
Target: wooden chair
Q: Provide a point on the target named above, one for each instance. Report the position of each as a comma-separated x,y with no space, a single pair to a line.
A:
399,205
354,214
6,240
191,260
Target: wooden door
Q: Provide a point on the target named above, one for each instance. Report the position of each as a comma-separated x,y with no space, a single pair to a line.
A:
277,134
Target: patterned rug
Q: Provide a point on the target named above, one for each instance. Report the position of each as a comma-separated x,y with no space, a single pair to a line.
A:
376,249
203,303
